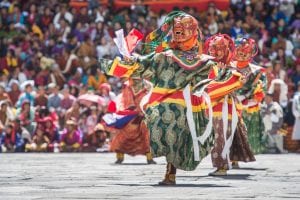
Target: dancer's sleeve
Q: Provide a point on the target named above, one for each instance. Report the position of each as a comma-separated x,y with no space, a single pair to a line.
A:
259,88
224,82
259,92
135,66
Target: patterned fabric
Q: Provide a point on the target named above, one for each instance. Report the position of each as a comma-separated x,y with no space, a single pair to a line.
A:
170,72
133,139
216,154
241,141
169,132
240,149
167,122
171,137
252,94
255,128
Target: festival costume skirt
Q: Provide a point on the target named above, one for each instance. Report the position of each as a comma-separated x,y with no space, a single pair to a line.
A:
216,153
240,149
170,135
255,128
132,139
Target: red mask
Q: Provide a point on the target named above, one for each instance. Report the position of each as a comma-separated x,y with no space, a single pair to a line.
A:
220,46
245,50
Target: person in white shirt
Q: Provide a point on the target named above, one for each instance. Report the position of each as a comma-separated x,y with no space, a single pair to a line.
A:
272,115
62,14
296,113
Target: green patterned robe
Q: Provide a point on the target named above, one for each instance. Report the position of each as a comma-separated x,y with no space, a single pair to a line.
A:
169,131
252,117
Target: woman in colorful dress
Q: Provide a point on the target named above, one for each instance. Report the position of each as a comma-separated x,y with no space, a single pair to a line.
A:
175,111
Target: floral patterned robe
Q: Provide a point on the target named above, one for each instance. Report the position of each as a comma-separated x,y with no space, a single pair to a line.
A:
166,111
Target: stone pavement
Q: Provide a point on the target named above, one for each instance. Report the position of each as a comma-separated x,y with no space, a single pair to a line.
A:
94,176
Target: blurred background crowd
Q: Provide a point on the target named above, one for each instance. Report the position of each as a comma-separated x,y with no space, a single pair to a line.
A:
53,93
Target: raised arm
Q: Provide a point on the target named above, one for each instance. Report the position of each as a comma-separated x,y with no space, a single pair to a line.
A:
134,66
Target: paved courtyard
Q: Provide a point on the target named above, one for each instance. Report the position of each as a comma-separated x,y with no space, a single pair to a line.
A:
94,176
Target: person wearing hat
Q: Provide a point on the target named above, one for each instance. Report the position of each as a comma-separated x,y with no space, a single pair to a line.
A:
106,92
180,128
28,94
272,115
51,132
70,139
96,139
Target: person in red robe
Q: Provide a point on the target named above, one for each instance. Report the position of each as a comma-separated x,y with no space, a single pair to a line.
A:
133,138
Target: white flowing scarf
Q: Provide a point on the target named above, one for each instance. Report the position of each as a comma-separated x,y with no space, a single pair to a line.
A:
234,122
191,121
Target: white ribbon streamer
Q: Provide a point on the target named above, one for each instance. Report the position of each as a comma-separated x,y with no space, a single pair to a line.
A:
234,122
191,121
121,43
146,98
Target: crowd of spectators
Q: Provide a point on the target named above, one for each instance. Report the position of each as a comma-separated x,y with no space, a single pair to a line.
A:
49,52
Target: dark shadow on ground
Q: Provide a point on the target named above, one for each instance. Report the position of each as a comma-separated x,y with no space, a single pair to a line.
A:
192,176
177,185
129,164
133,164
234,176
252,169
196,185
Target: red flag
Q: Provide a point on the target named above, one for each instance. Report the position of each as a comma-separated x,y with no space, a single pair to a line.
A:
133,38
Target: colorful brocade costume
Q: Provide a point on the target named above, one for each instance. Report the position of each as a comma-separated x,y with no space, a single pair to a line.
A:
251,94
166,110
228,125
177,111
